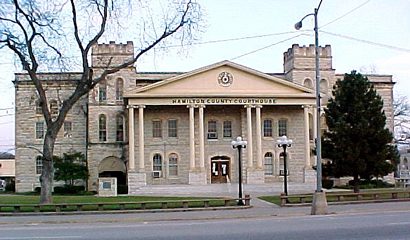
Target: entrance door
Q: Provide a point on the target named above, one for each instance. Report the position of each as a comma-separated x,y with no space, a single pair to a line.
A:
219,171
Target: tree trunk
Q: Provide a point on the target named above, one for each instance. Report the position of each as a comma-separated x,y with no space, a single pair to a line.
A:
356,182
47,176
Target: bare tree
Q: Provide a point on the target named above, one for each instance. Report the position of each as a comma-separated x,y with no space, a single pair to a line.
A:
401,108
34,31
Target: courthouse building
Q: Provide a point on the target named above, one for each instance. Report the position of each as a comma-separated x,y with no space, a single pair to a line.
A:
152,128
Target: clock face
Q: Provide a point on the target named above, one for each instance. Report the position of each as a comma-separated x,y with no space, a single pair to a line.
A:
225,79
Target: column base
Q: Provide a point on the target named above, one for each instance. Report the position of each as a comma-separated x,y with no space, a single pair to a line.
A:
319,203
197,177
255,176
135,181
309,175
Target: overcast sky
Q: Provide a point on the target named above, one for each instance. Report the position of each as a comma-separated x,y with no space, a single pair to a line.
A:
371,36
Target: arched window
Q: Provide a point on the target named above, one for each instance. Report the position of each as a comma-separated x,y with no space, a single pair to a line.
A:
268,163
53,107
282,127
119,89
173,164
308,83
281,162
102,128
39,165
267,128
120,128
157,162
102,91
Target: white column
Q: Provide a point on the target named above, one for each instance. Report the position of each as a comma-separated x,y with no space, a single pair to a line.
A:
141,138
258,137
307,140
191,137
131,135
249,137
201,137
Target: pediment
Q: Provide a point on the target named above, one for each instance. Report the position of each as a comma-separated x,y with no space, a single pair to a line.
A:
222,79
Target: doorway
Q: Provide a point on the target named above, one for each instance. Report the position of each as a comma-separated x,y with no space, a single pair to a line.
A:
220,169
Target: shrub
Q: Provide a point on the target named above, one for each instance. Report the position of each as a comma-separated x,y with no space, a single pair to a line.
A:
10,187
68,189
327,183
122,189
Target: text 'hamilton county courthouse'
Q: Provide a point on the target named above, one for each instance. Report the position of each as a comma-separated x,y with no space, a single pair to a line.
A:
152,128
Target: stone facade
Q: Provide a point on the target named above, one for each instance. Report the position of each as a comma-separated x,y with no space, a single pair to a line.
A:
124,124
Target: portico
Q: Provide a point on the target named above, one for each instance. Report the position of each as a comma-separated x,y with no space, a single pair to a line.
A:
210,111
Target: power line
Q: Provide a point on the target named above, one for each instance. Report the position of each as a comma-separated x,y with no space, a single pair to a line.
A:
367,42
268,46
344,15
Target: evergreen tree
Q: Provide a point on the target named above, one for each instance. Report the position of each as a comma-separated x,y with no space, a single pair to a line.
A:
71,167
357,140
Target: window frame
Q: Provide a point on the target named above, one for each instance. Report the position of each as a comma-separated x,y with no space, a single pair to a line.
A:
172,130
157,128
283,129
39,165
119,128
173,164
268,130
157,163
102,128
268,166
212,128
39,130
102,91
119,89
68,129
227,129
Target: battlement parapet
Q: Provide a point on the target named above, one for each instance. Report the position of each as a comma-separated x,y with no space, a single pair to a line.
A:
113,48
307,51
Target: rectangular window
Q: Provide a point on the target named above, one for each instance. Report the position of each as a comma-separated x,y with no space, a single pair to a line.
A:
39,130
119,89
212,130
120,129
227,129
172,128
173,165
157,128
269,163
39,165
102,128
283,127
102,91
267,128
68,128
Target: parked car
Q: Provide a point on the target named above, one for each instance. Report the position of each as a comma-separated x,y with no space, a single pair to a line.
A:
2,185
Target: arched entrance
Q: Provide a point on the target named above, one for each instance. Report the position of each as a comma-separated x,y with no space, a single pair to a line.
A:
113,167
220,169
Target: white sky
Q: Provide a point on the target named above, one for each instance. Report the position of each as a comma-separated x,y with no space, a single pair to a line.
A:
381,29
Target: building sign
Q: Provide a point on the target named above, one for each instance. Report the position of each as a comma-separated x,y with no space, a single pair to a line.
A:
220,101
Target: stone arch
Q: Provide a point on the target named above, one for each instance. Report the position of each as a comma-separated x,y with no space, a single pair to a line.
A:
113,167
308,83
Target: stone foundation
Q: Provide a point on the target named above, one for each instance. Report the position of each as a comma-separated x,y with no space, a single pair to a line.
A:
255,176
197,178
135,181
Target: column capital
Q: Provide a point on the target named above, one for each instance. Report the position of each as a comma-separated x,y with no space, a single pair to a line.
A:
131,106
191,106
258,106
141,106
249,106
307,106
201,106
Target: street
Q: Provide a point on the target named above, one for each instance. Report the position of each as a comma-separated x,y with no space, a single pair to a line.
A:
380,225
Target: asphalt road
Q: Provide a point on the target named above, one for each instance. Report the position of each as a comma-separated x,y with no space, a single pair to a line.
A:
364,225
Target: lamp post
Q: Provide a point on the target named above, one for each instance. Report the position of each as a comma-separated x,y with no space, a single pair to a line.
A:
239,144
284,143
319,204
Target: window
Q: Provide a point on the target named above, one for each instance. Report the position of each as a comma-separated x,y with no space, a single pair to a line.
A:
39,165
38,107
281,162
157,128
39,130
119,89
283,127
53,107
173,164
267,128
120,128
172,128
268,163
68,127
212,130
102,128
157,162
102,91
308,83
227,129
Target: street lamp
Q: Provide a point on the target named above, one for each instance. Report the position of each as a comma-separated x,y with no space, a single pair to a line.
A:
239,144
319,204
284,143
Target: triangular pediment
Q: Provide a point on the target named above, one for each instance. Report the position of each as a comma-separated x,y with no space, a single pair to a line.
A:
222,79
